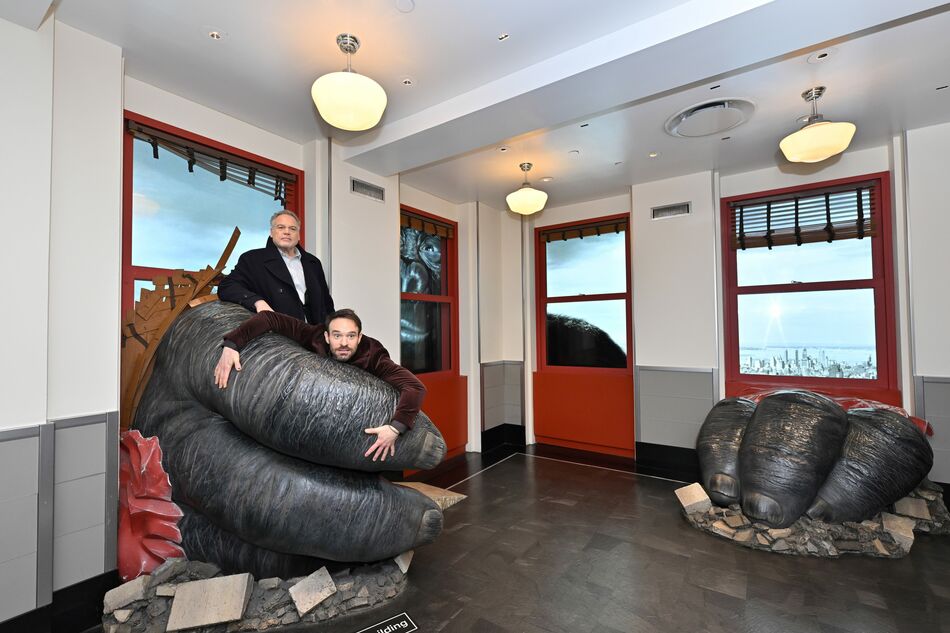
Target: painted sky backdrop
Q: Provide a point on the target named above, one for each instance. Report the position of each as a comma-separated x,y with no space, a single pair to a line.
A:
594,265
184,220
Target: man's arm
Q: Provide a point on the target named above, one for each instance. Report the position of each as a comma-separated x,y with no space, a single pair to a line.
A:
236,288
411,394
262,322
411,391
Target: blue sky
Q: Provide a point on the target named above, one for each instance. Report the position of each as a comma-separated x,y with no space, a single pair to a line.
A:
184,220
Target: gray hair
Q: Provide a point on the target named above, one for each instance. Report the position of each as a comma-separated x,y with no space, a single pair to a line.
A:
284,212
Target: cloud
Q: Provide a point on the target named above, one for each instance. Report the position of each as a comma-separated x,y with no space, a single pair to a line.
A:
143,206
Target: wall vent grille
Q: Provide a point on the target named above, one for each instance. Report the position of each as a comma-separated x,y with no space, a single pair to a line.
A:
670,210
363,188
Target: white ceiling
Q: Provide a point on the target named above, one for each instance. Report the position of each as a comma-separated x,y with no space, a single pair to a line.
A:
622,67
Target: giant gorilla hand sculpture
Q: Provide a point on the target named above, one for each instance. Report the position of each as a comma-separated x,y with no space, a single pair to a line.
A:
267,469
798,452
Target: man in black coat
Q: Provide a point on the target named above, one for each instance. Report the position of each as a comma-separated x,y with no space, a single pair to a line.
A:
281,277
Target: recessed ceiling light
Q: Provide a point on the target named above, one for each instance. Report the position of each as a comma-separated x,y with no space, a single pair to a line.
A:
547,179
407,81
653,154
574,153
503,36
405,6
502,148
725,138
619,162
820,56
584,124
943,87
216,35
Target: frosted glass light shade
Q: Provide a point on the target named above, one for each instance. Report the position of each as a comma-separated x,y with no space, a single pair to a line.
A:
818,141
526,200
348,100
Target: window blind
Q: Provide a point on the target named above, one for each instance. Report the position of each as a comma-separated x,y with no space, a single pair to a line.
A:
279,184
426,225
580,232
837,213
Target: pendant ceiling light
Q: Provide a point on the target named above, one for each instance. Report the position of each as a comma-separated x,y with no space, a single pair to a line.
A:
346,99
818,139
526,200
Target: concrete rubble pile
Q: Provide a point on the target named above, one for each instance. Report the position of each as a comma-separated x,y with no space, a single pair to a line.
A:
890,534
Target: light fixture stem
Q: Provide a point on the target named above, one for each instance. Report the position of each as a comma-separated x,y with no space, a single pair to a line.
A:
814,107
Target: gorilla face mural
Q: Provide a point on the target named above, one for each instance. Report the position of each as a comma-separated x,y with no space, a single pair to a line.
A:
420,272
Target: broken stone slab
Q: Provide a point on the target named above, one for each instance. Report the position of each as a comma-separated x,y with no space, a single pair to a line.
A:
312,590
900,528
779,533
879,547
165,591
762,539
781,545
445,498
169,570
736,521
744,536
210,601
693,498
720,527
122,615
269,583
912,507
403,561
125,594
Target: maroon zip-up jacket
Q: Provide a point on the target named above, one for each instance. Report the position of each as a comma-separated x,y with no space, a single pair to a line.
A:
370,355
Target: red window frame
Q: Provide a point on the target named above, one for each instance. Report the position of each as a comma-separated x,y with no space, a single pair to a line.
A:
883,389
542,299
131,273
450,331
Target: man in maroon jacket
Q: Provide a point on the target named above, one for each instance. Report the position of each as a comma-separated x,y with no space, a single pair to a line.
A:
340,338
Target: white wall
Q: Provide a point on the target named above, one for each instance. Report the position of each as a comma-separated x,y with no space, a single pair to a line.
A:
928,168
26,73
490,298
500,284
316,165
85,231
509,252
364,248
845,165
674,275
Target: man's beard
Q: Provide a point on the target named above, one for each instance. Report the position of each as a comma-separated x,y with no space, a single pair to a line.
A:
346,359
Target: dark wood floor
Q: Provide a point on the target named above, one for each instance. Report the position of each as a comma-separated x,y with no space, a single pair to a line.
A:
542,544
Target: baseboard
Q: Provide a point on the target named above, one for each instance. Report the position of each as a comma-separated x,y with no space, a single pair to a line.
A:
74,609
677,462
511,434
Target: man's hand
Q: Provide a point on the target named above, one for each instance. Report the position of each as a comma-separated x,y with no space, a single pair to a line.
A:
385,443
229,358
262,306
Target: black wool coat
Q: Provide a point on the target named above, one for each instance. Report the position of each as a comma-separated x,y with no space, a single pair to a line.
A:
262,274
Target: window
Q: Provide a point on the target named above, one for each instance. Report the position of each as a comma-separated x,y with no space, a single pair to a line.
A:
808,290
428,291
184,195
584,294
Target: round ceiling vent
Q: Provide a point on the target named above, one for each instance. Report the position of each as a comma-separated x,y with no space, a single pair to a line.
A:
709,117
